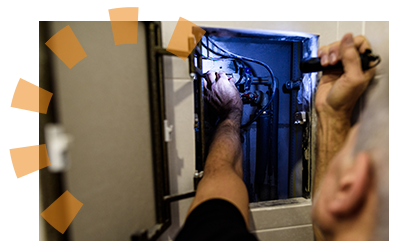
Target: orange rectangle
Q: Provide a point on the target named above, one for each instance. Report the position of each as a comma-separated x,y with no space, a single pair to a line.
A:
31,97
124,24
25,96
62,211
125,32
67,47
29,159
44,100
124,14
184,39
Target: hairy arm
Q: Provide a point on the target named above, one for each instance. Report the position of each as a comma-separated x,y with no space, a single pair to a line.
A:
223,168
336,96
226,146
331,135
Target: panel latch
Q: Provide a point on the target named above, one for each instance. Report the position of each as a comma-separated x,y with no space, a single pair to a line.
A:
293,84
300,117
167,131
57,142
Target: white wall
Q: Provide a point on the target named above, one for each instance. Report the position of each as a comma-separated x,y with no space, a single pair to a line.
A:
179,93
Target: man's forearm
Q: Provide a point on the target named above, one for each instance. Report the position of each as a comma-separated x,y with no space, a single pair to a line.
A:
223,172
331,134
226,150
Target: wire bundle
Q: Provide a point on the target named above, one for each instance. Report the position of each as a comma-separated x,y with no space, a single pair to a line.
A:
243,58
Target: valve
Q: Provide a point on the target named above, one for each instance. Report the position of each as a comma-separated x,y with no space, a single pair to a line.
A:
249,98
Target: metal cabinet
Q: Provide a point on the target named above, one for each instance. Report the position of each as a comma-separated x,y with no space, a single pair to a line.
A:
277,100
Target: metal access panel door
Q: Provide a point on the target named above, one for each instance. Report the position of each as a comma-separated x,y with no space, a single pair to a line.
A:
103,103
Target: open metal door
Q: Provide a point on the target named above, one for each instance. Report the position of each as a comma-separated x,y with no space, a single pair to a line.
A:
111,104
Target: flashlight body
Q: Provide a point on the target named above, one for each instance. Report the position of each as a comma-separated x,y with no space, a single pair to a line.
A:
314,64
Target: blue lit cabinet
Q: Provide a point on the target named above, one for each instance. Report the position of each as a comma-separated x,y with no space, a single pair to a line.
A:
112,105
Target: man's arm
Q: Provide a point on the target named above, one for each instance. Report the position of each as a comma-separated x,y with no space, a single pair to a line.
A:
222,176
336,96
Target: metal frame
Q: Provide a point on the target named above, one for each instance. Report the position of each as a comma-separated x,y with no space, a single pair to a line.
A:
295,76
52,184
163,199
196,73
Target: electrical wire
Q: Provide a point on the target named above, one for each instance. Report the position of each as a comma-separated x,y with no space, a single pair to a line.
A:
216,53
213,59
243,64
260,63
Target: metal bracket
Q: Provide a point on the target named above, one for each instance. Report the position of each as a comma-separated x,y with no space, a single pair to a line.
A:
197,177
300,117
57,142
167,131
293,84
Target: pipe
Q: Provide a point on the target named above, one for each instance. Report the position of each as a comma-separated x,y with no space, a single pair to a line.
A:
261,154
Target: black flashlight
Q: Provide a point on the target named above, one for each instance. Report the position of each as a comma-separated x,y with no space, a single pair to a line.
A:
314,64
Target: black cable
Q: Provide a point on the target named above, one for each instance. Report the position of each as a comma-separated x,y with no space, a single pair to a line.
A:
216,53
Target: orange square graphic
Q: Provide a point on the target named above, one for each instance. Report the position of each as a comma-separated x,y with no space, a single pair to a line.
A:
66,46
125,32
30,97
29,159
124,14
44,100
124,24
62,211
184,39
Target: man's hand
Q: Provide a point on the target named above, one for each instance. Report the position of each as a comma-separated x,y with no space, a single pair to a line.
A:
338,91
221,93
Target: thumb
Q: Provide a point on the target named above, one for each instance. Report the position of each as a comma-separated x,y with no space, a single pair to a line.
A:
205,85
232,80
351,59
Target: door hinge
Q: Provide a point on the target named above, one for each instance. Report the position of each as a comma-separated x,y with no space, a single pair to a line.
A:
167,131
57,142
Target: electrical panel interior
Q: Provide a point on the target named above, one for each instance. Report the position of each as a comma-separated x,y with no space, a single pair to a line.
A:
276,126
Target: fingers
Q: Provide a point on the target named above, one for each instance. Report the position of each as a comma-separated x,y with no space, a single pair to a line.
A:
211,75
330,54
232,80
351,59
222,75
210,78
213,78
361,43
205,83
